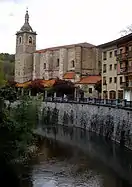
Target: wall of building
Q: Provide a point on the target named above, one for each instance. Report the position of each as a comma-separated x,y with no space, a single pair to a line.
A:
113,123
89,90
79,59
110,73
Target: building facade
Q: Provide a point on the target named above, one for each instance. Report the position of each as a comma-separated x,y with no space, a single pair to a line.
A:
125,65
81,59
111,79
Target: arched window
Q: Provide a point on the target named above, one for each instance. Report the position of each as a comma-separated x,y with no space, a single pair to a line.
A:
30,40
112,94
20,40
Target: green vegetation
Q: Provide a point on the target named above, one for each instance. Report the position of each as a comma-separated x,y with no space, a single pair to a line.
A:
16,128
7,64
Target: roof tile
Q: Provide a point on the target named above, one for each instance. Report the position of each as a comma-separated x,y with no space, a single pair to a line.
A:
92,79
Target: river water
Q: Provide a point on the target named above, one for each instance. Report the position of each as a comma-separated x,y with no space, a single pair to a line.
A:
60,165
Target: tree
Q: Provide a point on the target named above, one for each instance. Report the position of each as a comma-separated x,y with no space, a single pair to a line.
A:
62,87
126,31
98,87
2,81
36,86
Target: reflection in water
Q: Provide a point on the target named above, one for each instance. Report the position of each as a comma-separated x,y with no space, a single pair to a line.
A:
58,165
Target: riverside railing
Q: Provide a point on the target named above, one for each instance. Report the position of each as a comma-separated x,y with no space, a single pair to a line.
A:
105,102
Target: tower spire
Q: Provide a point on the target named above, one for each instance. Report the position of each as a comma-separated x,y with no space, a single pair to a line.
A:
27,16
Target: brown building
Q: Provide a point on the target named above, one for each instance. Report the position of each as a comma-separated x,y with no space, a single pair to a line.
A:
124,59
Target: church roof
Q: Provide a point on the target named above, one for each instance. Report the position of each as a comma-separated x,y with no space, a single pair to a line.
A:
85,44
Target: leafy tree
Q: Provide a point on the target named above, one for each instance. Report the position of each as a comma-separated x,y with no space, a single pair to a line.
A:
98,87
62,87
8,93
16,127
2,81
36,86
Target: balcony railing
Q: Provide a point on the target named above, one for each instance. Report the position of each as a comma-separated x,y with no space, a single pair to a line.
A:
94,101
126,84
124,56
124,70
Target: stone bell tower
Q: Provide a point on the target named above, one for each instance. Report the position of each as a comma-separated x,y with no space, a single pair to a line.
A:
25,47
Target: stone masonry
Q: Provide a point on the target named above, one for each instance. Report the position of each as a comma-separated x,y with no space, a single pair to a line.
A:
110,122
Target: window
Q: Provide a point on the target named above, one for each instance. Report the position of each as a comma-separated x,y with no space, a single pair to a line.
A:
20,40
73,63
120,94
115,53
120,80
58,62
112,94
105,96
130,48
104,68
115,66
110,80
121,51
110,54
44,65
104,80
104,55
110,67
115,79
90,90
30,40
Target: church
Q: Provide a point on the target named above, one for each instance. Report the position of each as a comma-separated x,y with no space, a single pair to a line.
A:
70,62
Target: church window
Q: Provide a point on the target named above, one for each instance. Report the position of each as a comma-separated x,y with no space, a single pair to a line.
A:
30,40
58,62
73,63
44,65
20,40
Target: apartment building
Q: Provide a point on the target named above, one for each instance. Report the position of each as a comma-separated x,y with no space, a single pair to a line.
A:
124,60
111,80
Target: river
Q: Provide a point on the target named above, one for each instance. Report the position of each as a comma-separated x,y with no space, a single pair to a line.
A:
60,165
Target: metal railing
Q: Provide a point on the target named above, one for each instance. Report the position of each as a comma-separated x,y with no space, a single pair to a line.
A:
105,102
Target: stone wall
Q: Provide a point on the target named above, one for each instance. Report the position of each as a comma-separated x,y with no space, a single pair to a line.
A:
111,122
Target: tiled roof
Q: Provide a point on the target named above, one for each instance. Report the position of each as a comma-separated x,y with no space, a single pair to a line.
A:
45,83
23,85
85,44
92,79
48,83
69,75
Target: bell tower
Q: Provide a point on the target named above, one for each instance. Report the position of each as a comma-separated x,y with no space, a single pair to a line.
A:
25,47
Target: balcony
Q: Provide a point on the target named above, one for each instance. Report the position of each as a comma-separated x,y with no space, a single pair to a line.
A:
124,56
126,70
126,84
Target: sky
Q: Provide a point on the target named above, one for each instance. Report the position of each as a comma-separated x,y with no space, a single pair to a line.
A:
60,22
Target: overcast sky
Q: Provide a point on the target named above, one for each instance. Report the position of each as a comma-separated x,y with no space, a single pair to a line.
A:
59,22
